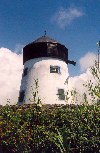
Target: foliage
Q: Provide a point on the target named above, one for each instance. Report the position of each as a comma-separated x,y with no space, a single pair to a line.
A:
49,128
91,93
36,99
94,86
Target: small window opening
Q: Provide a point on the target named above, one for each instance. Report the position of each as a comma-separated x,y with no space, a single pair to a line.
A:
52,49
55,69
25,72
21,96
61,94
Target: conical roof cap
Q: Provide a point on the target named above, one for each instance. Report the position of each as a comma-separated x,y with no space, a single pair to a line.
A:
44,38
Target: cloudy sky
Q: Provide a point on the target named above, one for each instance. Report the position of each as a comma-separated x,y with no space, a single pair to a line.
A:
76,24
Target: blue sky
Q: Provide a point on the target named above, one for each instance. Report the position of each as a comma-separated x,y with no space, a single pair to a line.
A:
76,24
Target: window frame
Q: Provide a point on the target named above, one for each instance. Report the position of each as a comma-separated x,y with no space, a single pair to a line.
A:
52,49
25,72
55,69
61,94
21,96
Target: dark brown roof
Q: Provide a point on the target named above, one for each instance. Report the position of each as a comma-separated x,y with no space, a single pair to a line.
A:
45,47
44,38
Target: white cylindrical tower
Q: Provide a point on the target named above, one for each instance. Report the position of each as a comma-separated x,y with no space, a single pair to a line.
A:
45,72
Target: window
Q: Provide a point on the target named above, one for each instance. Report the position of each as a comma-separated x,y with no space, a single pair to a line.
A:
25,72
55,69
61,94
52,49
21,96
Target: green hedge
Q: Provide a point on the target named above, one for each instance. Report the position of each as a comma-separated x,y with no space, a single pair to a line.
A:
49,129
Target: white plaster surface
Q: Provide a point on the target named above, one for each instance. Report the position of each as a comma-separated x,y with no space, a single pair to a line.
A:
49,83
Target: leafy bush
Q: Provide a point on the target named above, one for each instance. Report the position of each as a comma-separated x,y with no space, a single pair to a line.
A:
94,86
49,129
91,94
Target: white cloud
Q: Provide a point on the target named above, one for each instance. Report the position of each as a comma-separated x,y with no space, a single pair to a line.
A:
87,61
10,75
77,82
65,17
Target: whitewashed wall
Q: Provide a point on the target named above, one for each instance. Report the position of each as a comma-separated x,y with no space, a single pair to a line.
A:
49,83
